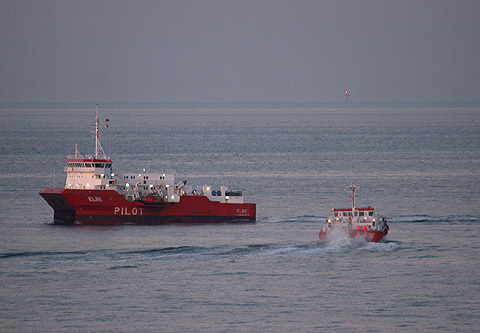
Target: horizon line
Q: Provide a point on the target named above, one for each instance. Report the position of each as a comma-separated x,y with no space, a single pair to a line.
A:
260,105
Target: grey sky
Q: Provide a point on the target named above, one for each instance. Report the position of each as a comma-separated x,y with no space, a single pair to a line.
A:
239,51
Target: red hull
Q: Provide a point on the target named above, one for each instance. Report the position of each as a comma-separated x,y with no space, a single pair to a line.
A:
371,236
109,207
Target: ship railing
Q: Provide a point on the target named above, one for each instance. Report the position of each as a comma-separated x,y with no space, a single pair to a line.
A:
84,157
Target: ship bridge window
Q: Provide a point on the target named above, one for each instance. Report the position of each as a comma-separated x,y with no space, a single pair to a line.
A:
88,165
370,213
360,213
233,194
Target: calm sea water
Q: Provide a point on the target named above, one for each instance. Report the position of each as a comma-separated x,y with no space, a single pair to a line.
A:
419,167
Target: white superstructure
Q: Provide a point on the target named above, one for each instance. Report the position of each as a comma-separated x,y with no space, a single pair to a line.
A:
96,172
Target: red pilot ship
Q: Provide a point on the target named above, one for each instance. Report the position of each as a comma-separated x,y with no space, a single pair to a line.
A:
355,222
95,194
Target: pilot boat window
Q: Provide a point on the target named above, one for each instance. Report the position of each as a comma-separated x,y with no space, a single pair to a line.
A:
370,213
360,213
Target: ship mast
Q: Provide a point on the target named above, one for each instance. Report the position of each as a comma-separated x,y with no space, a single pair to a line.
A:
97,120
352,188
98,146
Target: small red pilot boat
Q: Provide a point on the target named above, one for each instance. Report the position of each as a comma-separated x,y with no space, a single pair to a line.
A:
355,222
